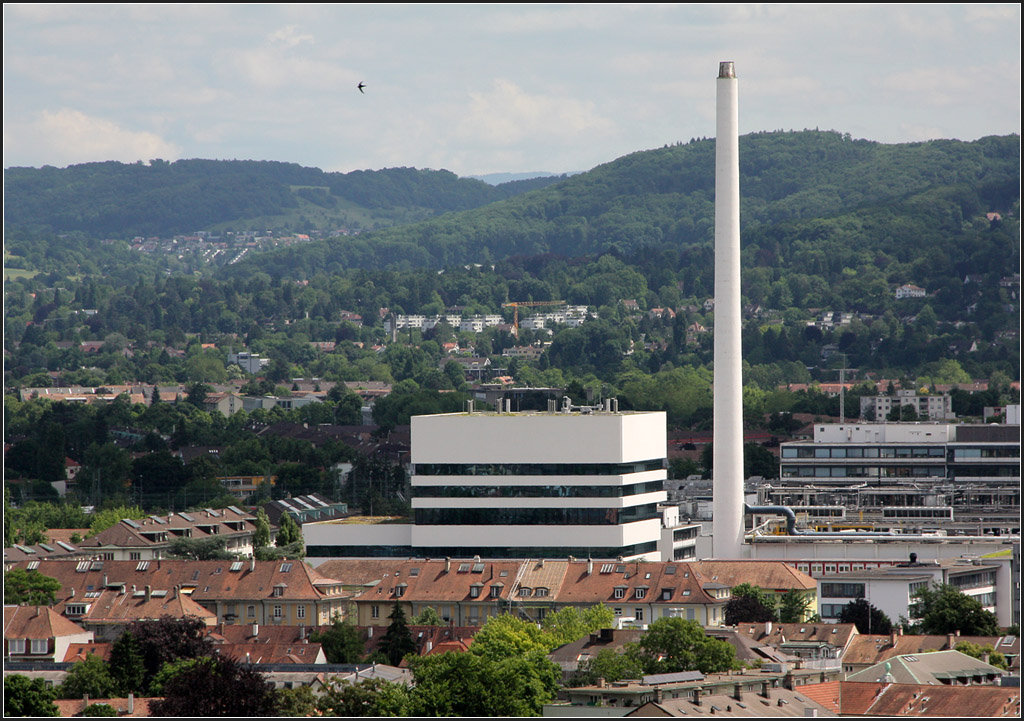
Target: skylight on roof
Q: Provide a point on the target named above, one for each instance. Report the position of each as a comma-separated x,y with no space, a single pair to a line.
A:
187,517
670,570
45,547
478,568
33,565
286,567
236,566
464,567
236,510
159,520
130,522
65,546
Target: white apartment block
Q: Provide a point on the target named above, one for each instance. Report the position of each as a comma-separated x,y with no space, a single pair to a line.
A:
933,408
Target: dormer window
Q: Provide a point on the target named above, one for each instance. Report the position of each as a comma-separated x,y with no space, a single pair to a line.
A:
666,594
496,591
620,592
474,590
523,591
400,590
641,592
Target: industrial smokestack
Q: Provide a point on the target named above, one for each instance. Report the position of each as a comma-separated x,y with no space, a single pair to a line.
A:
727,534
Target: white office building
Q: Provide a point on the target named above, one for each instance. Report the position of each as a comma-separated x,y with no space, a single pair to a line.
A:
554,484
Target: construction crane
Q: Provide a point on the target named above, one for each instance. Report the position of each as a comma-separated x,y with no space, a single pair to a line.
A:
524,304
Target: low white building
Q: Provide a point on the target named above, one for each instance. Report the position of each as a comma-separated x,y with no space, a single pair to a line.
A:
892,589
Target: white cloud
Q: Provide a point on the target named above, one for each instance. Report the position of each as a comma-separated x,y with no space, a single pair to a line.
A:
507,114
70,136
290,37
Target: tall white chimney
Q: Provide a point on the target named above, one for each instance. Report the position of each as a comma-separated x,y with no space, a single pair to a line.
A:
727,533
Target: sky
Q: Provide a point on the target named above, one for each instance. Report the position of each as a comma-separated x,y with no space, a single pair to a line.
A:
481,89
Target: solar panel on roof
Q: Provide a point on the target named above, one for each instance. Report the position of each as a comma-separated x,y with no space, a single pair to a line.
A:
318,502
306,505
159,520
96,566
236,510
187,517
212,512
464,567
478,568
23,549
45,547
130,522
65,546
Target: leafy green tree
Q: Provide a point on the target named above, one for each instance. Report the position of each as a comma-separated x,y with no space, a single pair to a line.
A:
341,642
570,623
90,677
99,709
428,617
397,641
168,639
611,665
866,617
676,644
978,651
300,701
371,697
28,697
288,531
794,606
261,536
749,604
506,636
943,609
200,549
29,588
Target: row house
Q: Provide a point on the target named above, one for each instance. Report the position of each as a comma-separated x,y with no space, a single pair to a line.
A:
468,592
150,538
232,592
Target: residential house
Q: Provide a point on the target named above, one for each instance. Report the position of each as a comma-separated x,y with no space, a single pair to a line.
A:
39,633
775,579
108,610
867,650
235,592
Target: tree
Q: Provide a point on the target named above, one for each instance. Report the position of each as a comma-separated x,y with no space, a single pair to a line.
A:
168,639
793,606
749,604
102,520
428,617
944,609
300,701
676,644
866,617
99,709
216,686
288,531
397,641
570,623
90,677
126,664
976,650
340,642
28,697
261,536
200,549
611,665
371,697
29,588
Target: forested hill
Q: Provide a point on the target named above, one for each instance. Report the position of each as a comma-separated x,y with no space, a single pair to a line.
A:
163,199
797,187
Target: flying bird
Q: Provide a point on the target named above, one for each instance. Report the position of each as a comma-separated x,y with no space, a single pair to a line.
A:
361,86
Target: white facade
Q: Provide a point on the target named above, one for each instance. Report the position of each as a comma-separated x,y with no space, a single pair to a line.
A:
935,408
538,484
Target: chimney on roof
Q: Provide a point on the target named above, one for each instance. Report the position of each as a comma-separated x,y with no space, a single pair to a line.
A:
590,566
737,691
131,704
600,683
658,695
767,628
255,629
766,689
950,640
252,564
149,592
447,564
696,696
